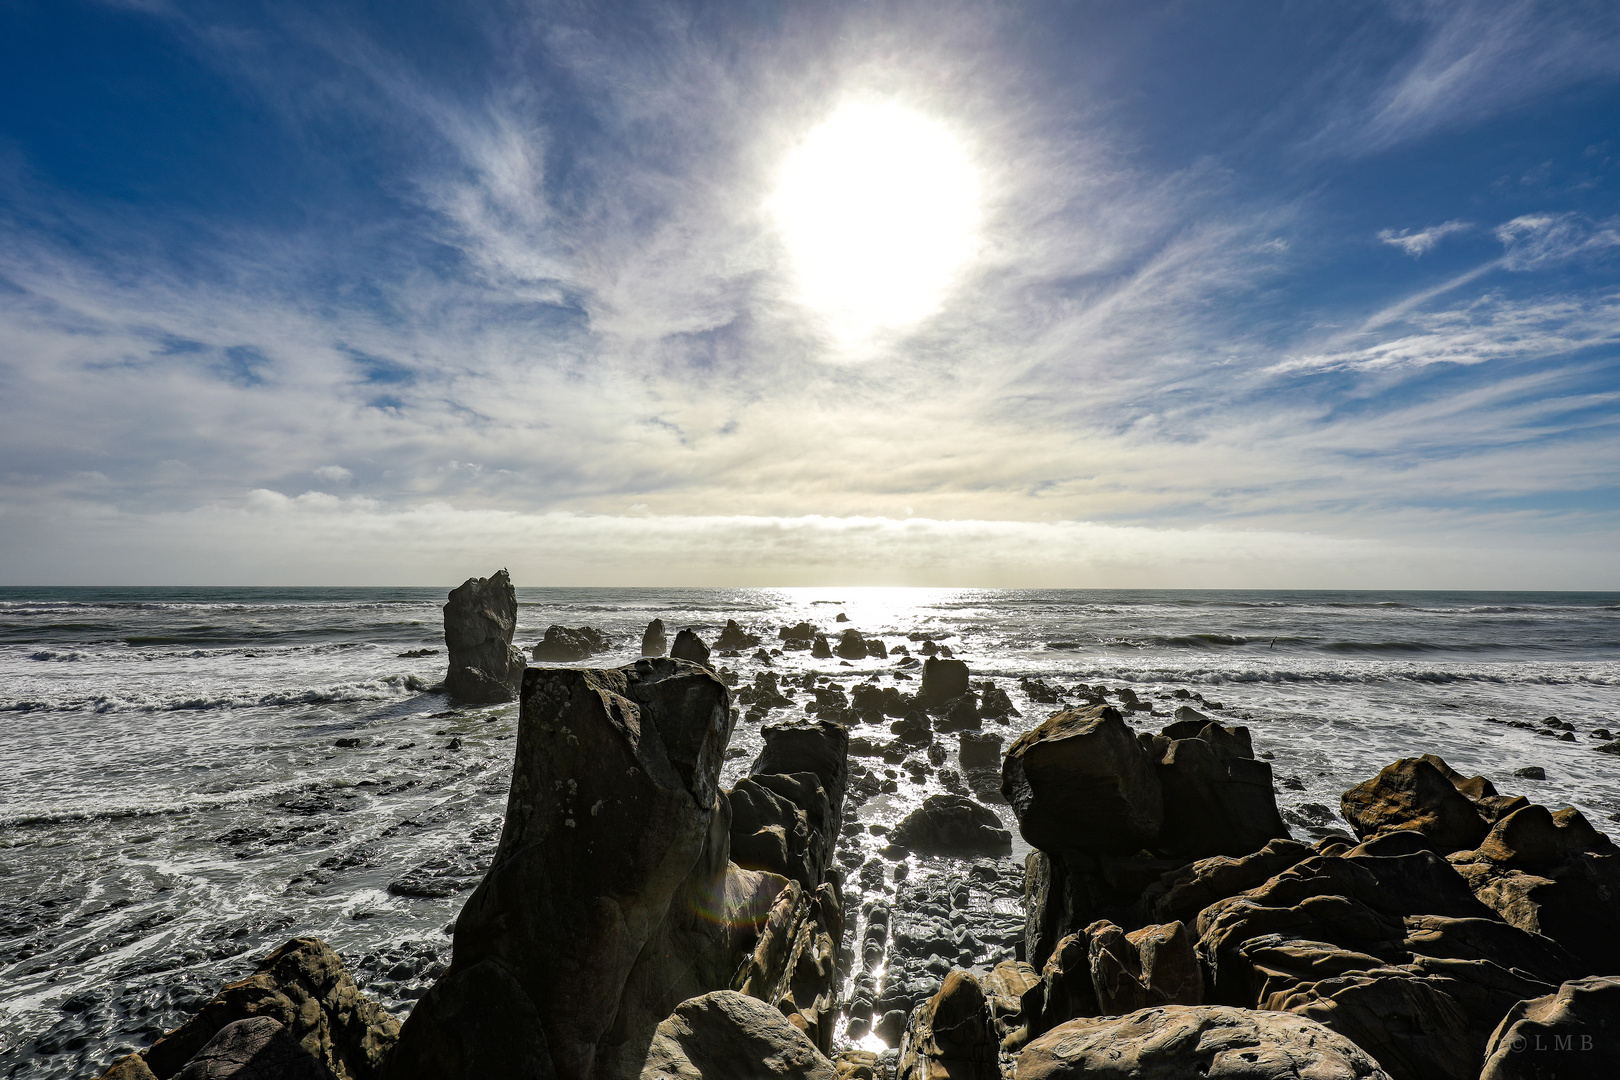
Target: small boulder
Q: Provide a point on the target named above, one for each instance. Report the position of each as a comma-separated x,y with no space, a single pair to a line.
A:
564,645
654,642
725,1035
851,645
735,637
820,649
953,825
1413,793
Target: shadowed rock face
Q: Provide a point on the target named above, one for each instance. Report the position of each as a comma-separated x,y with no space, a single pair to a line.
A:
1569,1035
1413,793
255,1049
610,899
478,623
654,642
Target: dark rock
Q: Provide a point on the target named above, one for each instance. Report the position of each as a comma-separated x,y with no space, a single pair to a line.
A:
782,824
612,867
1218,800
1183,893
953,825
1152,966
725,1035
1569,1035
994,702
764,694
1185,1041
876,649
943,680
1413,793
1531,772
304,987
654,641
479,619
565,645
851,645
797,637
819,747
259,1048
1081,780
820,649
735,637
951,1036
979,750
688,646
891,1026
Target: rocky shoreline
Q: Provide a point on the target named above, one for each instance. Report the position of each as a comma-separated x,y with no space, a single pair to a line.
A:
639,919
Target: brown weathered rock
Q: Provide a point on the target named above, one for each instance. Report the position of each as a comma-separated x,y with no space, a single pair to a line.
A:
1568,1035
859,1065
610,897
1179,1042
1413,793
1081,780
479,619
1152,966
304,986
1551,874
794,966
953,825
1005,986
942,680
725,1035
951,1036
1218,799
1183,893
1066,990
255,1049
128,1067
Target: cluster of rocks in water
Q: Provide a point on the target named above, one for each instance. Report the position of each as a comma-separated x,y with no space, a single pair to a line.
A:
640,920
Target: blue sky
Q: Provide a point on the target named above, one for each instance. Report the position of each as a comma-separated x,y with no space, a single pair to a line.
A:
1260,294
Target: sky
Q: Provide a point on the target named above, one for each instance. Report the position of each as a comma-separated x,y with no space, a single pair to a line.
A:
1118,293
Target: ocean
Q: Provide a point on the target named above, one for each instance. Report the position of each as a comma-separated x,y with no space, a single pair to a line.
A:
194,775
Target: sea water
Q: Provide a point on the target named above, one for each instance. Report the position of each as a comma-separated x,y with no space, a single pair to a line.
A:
191,776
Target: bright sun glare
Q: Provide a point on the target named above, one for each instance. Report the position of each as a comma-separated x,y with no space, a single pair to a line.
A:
880,207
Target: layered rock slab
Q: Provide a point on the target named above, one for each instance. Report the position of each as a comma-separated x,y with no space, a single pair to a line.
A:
1179,1042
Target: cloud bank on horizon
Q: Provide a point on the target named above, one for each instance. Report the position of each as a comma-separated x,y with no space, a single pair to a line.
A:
1261,294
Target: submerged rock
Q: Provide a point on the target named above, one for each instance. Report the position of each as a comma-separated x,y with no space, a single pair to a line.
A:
479,619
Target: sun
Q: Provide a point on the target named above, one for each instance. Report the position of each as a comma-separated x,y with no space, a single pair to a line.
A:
879,209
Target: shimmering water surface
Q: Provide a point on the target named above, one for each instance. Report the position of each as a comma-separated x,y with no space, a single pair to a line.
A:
191,776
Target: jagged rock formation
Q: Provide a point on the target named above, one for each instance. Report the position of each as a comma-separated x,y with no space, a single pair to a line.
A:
479,620
734,637
611,897
304,988
654,642
1560,1036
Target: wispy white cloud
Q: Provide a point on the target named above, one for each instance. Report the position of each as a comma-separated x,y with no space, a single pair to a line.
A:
1416,243
1535,241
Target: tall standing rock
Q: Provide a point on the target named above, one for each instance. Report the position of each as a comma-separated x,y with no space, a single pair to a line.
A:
478,623
654,642
610,898
1081,780
943,680
688,646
